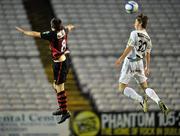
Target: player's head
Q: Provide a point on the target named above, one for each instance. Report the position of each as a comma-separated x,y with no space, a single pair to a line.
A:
141,21
56,24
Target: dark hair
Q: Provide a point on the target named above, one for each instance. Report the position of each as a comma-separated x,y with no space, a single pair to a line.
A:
142,19
56,24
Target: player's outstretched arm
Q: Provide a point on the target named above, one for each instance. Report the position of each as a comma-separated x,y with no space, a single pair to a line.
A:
29,33
122,57
70,27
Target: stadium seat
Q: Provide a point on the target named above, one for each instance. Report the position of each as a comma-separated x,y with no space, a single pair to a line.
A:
95,45
21,71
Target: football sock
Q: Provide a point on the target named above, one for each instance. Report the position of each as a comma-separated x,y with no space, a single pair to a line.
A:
151,93
131,93
62,101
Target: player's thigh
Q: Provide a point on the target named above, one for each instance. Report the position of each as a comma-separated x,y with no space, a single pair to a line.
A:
67,64
57,66
140,74
64,70
125,74
62,74
60,71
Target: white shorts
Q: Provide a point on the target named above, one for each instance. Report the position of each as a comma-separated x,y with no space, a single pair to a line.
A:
132,69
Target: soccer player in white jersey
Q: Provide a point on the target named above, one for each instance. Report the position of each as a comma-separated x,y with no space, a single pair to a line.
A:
138,46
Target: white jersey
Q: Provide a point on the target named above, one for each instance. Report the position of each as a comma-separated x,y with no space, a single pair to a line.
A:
133,63
141,43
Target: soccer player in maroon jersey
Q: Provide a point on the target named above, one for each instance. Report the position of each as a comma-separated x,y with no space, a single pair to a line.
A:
57,37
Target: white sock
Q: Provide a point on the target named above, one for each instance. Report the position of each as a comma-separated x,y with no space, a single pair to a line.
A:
151,93
131,93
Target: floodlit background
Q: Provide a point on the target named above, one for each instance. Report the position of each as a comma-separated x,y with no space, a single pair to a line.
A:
101,36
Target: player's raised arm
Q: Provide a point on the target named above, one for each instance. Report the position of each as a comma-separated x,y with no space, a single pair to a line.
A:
29,33
70,27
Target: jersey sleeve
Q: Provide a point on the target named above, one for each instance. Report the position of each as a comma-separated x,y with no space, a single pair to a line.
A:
46,35
132,39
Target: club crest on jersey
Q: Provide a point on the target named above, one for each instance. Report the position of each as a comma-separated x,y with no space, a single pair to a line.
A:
61,34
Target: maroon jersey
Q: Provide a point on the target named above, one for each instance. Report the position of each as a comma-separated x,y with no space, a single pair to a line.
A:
58,42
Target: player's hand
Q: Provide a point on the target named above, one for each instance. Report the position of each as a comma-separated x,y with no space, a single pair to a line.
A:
19,29
147,71
70,27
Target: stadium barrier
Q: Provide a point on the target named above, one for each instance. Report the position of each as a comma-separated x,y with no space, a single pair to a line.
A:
125,123
31,123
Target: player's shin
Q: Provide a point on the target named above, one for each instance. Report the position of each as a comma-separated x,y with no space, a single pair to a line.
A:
62,101
131,93
61,97
152,94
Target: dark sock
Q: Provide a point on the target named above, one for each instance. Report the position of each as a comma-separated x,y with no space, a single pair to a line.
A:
62,101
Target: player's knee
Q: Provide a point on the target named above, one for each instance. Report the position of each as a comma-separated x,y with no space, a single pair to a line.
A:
122,87
58,87
144,85
54,85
